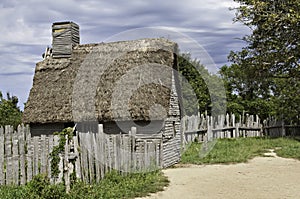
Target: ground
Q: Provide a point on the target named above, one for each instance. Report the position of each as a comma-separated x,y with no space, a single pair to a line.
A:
262,177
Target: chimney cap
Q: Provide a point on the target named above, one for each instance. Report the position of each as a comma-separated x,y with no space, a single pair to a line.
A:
63,22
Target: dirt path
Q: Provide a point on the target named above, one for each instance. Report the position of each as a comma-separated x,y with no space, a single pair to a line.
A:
262,177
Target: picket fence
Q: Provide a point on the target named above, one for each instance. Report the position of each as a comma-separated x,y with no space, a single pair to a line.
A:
87,155
202,127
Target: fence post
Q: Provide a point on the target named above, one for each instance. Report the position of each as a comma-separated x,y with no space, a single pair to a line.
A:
36,155
29,155
132,134
21,138
66,165
77,161
15,158
8,155
283,133
233,125
1,156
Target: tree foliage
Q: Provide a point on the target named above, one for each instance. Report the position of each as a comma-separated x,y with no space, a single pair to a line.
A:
10,114
200,89
266,72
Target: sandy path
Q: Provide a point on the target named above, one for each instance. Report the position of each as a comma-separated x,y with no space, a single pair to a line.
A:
262,177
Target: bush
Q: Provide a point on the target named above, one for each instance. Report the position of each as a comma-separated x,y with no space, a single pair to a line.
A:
40,187
113,185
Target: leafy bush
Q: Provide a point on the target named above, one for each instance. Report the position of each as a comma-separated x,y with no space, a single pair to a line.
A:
40,187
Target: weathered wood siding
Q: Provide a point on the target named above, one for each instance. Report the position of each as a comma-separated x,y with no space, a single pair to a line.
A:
172,133
65,36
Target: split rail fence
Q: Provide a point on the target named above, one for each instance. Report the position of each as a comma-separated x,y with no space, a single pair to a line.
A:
89,155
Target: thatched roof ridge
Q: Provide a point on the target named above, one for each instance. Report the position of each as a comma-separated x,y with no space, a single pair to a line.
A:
61,90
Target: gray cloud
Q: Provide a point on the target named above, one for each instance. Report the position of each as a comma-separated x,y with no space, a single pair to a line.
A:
26,29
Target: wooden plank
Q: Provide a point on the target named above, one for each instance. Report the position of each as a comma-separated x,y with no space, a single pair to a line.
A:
8,155
61,169
97,151
15,159
50,148
109,154
44,154
66,166
83,157
55,179
127,154
100,139
2,180
29,156
77,161
91,145
123,148
134,153
157,154
36,155
114,156
91,156
146,156
21,137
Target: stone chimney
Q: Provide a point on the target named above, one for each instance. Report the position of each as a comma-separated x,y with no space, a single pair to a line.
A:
65,35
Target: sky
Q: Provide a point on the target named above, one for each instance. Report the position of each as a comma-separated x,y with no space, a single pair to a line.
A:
26,30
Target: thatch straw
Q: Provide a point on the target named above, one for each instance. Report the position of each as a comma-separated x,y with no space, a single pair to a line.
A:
86,86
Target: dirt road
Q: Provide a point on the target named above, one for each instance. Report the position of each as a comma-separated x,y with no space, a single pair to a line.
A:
261,177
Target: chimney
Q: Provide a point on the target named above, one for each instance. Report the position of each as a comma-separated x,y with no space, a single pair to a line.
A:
65,35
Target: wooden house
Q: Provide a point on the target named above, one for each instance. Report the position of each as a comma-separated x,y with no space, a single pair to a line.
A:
119,84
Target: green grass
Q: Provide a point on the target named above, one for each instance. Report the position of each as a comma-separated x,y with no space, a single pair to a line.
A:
241,150
113,185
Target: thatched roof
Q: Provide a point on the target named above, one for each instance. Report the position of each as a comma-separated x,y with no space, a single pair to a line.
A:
107,81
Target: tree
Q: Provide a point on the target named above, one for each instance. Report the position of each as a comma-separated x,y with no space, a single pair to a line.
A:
10,114
268,67
200,89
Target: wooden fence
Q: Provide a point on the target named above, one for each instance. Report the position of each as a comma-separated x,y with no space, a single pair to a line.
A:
89,155
277,128
203,127
23,156
100,152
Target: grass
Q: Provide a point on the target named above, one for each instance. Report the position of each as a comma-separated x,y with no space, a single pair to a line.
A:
241,150
113,185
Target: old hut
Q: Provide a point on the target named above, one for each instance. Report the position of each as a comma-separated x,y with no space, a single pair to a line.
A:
119,84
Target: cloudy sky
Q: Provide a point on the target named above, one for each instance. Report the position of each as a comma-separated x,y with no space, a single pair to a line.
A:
26,29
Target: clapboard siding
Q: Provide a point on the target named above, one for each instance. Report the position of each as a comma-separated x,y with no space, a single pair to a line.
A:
172,133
